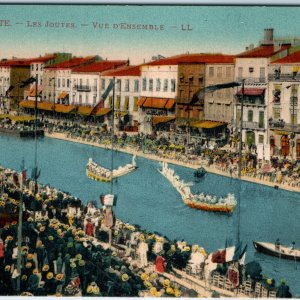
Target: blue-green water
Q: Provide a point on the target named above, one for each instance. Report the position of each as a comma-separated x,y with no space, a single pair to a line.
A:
145,197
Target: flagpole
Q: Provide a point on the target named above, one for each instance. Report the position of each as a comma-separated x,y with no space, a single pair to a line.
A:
19,259
112,137
35,142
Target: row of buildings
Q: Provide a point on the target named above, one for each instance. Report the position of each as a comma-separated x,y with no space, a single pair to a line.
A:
168,94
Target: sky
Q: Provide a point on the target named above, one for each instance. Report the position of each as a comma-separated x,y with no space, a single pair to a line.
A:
222,29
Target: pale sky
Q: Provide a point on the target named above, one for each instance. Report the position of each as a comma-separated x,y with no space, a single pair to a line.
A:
226,29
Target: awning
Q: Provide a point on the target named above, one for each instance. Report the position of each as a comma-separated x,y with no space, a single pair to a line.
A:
170,104
141,101
33,89
62,95
27,104
162,119
45,106
251,92
85,110
17,118
207,124
102,111
65,109
155,102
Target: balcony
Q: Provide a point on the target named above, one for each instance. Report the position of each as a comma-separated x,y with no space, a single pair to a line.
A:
281,125
83,88
284,77
253,125
293,101
253,81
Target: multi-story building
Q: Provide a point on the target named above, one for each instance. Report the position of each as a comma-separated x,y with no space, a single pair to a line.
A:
12,73
127,92
251,67
57,79
284,107
86,86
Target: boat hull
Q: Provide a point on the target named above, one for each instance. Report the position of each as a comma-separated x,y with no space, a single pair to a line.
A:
282,254
93,176
210,207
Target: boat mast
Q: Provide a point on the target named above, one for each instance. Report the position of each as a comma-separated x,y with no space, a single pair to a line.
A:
112,136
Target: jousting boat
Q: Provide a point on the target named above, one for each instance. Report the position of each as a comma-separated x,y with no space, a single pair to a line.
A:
198,201
284,252
99,173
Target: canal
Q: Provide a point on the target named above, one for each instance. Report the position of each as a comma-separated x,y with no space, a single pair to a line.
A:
146,198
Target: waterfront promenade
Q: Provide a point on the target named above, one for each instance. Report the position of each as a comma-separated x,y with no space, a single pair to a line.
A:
193,164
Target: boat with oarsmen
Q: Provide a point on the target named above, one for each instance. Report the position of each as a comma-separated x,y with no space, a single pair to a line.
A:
99,173
198,201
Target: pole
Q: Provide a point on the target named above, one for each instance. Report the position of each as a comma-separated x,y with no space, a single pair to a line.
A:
112,136
35,142
293,127
240,160
19,259
189,125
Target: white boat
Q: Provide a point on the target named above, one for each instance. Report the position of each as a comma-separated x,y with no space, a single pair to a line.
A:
198,201
99,173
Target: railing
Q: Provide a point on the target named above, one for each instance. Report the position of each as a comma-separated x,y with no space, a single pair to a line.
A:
284,77
253,125
253,80
285,126
84,88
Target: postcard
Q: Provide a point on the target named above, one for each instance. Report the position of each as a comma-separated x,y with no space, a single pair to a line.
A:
149,150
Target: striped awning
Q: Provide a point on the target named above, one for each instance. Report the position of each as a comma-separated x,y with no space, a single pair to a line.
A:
161,103
251,92
27,104
65,109
33,89
62,95
102,111
207,124
85,110
162,119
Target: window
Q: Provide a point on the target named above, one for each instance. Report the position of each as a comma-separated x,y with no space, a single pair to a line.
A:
277,93
68,82
86,98
173,85
165,85
144,84
118,102
126,103
80,99
240,72
95,85
260,138
151,85
136,85
110,101
135,104
87,83
63,82
262,76
80,83
58,82
228,71
261,120
238,115
276,113
127,85
32,67
250,115
294,118
103,84
36,67
158,84
94,99
251,70
219,72
211,72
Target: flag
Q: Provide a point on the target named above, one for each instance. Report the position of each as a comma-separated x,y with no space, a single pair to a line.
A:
9,90
108,200
103,97
23,172
243,256
199,95
229,253
27,82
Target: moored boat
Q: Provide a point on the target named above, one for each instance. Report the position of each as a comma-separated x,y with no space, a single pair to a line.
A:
199,173
198,201
281,251
99,173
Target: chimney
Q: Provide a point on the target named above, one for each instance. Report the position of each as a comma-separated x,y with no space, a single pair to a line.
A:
247,48
268,36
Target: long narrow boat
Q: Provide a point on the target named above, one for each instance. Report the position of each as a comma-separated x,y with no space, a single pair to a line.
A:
199,201
99,173
284,252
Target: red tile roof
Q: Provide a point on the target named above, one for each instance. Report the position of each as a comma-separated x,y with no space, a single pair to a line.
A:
15,62
209,58
72,63
292,58
100,66
124,71
262,51
42,58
